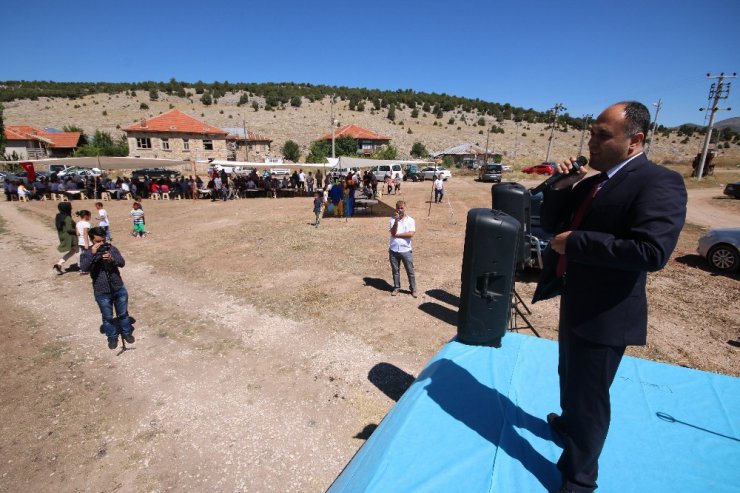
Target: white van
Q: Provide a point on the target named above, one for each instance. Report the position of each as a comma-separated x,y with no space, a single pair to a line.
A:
383,169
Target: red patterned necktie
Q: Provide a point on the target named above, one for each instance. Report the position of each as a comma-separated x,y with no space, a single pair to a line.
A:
578,217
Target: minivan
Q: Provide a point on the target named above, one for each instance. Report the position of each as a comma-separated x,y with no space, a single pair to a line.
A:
380,171
491,172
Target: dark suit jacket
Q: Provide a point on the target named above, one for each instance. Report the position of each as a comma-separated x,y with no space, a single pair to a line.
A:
630,229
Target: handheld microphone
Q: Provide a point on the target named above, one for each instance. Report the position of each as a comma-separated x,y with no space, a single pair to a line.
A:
580,161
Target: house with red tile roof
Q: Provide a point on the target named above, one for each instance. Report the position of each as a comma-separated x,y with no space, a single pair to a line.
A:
176,135
34,143
367,140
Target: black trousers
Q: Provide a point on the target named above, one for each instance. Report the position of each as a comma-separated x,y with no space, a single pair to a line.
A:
586,371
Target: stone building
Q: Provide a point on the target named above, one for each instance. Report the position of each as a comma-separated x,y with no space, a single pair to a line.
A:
253,147
175,135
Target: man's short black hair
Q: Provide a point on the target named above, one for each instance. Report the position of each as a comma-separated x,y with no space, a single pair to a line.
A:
638,118
96,231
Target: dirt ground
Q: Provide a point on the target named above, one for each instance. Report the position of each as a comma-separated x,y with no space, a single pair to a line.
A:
267,350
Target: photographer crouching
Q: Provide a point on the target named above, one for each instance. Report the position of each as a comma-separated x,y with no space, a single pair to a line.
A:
102,261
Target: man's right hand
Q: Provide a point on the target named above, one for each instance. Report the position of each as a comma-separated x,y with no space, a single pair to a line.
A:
570,180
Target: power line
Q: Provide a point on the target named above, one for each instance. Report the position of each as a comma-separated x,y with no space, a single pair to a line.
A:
658,106
717,91
557,109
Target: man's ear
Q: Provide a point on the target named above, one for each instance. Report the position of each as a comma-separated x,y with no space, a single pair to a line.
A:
637,141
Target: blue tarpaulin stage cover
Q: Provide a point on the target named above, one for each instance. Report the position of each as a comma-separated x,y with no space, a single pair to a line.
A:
474,421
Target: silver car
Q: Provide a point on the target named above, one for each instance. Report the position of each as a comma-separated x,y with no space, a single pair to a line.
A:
720,247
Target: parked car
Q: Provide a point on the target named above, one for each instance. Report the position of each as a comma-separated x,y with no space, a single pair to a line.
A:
490,172
75,171
733,190
541,169
720,247
506,167
430,171
155,173
412,173
383,169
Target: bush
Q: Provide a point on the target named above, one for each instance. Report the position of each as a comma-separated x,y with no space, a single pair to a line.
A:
153,95
243,99
419,150
295,101
143,106
481,122
255,106
391,112
291,151
206,99
415,113
451,121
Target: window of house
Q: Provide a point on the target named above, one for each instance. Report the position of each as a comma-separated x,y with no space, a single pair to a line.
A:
185,144
143,143
208,144
166,144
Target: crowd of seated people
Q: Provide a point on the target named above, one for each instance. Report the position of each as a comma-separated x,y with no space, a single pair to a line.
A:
220,186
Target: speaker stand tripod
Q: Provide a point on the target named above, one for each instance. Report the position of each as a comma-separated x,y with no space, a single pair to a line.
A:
518,307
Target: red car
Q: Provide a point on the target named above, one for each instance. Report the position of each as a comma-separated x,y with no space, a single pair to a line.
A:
541,169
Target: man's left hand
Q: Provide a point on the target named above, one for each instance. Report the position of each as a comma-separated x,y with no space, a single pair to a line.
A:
559,241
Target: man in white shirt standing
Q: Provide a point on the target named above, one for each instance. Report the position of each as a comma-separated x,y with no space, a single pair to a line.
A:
402,229
439,188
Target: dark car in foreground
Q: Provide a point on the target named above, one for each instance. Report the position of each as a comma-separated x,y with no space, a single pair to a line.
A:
733,190
541,169
720,247
155,173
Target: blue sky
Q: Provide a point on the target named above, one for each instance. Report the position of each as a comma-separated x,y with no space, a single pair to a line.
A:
584,54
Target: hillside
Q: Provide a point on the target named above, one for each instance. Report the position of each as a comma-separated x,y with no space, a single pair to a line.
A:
521,144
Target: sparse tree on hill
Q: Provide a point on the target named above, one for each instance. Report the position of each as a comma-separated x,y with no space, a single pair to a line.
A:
291,151
243,99
206,99
255,106
153,95
295,101
361,106
419,150
143,106
392,112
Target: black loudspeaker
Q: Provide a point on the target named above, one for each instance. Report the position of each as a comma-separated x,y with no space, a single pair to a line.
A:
489,263
515,200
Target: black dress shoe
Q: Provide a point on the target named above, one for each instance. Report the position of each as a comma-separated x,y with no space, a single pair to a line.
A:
557,425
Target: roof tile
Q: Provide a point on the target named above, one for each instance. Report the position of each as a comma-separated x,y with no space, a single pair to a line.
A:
175,121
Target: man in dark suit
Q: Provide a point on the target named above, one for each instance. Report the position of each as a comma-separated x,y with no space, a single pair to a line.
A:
610,230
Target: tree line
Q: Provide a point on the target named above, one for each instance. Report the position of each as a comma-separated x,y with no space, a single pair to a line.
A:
285,93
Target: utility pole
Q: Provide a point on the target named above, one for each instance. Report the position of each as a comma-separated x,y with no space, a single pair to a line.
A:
557,109
716,92
246,141
332,127
488,135
586,119
516,139
658,106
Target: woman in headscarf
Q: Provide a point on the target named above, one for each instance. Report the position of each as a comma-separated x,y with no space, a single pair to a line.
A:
67,234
